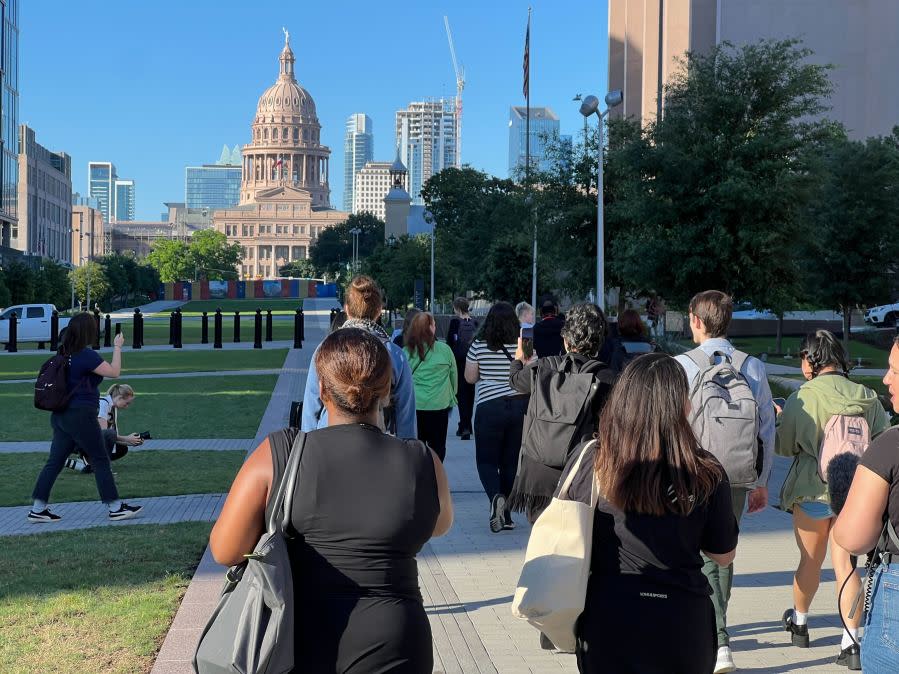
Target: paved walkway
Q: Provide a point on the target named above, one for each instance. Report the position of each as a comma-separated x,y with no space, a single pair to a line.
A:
172,375
209,444
226,346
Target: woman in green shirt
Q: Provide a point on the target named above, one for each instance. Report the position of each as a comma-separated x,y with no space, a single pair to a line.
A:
436,381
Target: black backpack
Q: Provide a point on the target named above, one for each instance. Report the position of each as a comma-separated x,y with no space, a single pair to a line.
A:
51,390
468,328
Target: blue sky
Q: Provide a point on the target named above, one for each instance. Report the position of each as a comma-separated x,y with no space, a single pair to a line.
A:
157,86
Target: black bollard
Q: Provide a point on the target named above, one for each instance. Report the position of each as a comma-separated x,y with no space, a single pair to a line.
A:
297,322
217,329
257,329
107,331
236,327
135,328
204,329
118,328
268,325
97,323
12,345
302,327
140,323
171,328
177,342
54,330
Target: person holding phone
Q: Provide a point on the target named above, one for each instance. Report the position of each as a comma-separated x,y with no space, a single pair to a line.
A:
118,397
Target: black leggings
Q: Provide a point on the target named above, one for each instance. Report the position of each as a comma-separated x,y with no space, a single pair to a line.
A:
432,426
497,438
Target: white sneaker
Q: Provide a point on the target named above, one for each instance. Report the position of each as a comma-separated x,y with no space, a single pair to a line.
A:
725,661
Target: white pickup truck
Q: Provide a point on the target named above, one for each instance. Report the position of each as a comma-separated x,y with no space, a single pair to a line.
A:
33,323
885,315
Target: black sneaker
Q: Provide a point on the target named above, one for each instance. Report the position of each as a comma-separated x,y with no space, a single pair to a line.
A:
459,431
851,658
508,524
497,513
798,633
43,516
465,436
125,512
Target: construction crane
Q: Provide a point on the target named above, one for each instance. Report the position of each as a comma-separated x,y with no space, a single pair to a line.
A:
460,85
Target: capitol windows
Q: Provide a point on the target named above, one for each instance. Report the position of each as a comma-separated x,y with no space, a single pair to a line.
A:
285,134
275,134
296,230
265,134
247,230
281,252
296,135
298,253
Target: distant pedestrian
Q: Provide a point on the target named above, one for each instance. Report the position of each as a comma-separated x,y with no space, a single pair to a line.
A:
566,394
548,331
663,501
398,336
802,435
499,410
77,424
459,337
632,339
526,314
436,381
363,304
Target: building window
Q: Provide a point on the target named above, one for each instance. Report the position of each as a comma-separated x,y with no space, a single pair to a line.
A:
299,253
275,134
265,134
296,134
296,230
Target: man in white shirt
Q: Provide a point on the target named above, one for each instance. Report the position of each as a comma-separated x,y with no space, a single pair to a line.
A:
710,314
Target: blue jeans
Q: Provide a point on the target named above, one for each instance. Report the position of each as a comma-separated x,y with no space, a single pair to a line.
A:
880,642
76,427
498,425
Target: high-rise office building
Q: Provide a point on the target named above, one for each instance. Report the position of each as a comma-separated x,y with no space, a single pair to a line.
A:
101,176
372,184
646,37
426,135
124,200
44,199
358,150
544,129
212,186
9,118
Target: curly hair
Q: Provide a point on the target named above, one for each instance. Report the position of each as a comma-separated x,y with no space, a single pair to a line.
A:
500,327
822,349
585,329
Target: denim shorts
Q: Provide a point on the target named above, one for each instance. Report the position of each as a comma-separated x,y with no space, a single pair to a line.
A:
880,641
816,510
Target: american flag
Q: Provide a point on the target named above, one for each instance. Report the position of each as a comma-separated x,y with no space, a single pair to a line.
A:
526,65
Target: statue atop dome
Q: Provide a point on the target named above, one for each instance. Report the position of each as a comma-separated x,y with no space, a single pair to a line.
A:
286,36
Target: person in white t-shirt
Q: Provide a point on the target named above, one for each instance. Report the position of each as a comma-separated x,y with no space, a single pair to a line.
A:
118,397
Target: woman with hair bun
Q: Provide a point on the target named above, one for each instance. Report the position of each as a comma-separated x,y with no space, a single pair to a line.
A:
800,434
364,504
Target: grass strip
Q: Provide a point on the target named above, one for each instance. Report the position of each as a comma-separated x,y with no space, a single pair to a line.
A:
186,407
139,474
93,600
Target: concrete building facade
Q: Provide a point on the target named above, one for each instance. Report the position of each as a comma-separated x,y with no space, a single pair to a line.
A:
372,184
44,200
358,150
860,38
89,232
138,236
426,135
544,129
285,195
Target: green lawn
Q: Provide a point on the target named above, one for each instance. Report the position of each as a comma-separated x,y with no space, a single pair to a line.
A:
93,600
157,332
278,306
140,473
871,356
153,362
184,407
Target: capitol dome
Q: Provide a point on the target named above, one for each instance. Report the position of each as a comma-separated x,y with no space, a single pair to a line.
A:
286,97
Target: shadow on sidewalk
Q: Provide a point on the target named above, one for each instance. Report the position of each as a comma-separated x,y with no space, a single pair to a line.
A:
462,607
782,579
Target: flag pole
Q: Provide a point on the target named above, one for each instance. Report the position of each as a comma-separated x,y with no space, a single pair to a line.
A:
527,153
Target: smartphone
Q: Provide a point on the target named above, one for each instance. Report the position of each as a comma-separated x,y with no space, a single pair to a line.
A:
527,341
527,334
780,402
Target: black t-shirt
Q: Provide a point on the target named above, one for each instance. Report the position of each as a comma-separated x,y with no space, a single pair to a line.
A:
548,337
657,550
882,458
83,382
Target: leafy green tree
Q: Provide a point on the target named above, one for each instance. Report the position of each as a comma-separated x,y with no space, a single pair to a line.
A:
334,247
20,279
52,284
212,256
99,286
396,268
508,269
851,222
715,191
298,269
5,297
171,259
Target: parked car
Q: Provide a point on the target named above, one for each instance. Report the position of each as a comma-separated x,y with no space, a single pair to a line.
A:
884,316
33,323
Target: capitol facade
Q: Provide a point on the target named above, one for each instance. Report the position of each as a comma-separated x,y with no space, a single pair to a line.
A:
284,192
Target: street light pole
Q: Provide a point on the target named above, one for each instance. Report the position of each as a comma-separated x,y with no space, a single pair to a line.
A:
589,107
433,235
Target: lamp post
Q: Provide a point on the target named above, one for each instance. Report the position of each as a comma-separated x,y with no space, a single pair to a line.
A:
590,106
433,236
355,231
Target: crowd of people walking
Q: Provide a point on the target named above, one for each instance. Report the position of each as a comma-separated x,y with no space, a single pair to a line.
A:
671,451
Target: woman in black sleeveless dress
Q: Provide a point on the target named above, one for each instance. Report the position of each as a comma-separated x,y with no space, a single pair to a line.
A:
365,504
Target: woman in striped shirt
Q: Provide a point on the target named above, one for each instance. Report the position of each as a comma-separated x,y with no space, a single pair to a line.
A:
499,410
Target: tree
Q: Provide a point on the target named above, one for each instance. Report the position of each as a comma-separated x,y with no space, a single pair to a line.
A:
99,286
171,259
5,297
212,256
714,191
852,219
298,269
508,269
52,284
334,246
20,279
397,267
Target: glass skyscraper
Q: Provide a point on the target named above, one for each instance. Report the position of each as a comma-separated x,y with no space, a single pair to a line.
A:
9,119
212,186
544,128
101,186
358,150
124,200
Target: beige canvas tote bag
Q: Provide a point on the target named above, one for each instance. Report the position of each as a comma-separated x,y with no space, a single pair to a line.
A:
553,584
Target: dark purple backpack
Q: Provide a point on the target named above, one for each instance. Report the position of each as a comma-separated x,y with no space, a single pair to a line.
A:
51,390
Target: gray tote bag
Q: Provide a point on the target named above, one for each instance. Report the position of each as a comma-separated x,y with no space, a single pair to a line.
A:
251,630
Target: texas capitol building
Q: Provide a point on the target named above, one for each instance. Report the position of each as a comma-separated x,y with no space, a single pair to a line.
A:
284,192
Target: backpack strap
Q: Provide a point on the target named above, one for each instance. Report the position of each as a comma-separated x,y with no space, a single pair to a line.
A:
739,358
700,358
279,518
506,351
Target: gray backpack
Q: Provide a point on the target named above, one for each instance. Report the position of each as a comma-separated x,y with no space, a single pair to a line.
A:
252,627
725,415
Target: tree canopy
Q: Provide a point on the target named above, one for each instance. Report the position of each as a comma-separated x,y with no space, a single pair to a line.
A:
334,247
207,255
